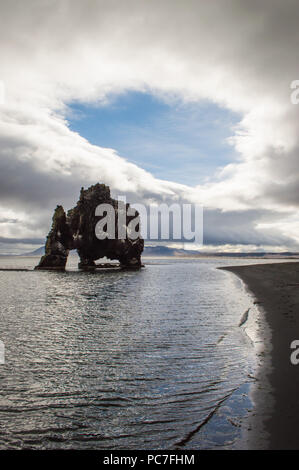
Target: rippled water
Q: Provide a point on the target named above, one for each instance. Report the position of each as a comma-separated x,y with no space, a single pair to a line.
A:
120,360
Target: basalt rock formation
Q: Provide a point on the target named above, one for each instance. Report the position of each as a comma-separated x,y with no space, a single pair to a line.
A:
77,230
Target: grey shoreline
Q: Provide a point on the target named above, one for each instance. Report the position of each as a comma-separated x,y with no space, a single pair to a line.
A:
274,421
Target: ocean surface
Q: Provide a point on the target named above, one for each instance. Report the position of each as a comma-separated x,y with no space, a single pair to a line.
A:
150,359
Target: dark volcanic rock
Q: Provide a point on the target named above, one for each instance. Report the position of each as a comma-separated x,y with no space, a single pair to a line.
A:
58,241
77,231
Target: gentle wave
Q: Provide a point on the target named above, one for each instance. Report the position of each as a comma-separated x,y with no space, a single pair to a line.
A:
127,360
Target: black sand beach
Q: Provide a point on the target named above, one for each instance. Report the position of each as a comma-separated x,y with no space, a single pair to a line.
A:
275,420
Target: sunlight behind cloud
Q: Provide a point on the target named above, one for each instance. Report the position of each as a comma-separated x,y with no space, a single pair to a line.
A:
226,54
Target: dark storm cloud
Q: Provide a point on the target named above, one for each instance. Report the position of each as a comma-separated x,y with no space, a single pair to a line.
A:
241,227
23,241
239,54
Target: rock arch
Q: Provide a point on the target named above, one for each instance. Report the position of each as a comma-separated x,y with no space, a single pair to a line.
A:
76,230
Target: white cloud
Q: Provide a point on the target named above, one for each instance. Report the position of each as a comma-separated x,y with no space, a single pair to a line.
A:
241,55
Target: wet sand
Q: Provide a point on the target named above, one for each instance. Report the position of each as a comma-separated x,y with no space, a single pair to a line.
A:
274,422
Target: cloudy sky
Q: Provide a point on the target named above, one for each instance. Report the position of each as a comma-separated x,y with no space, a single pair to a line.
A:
167,100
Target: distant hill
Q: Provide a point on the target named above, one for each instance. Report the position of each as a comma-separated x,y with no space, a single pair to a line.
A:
148,251
38,252
163,251
166,251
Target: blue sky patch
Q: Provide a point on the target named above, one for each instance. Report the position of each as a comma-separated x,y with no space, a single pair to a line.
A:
175,141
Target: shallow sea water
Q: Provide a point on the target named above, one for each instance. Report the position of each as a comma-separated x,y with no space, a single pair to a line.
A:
150,359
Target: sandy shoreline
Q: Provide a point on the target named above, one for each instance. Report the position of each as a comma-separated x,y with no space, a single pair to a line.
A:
274,422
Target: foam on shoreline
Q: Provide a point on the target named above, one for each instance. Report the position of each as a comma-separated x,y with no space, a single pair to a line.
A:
273,424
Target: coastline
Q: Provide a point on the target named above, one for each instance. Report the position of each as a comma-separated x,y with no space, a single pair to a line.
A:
273,423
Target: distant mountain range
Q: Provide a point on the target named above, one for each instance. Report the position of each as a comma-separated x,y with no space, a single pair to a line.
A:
39,252
164,251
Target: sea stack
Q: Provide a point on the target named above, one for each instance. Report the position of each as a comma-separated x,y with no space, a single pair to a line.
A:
76,230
